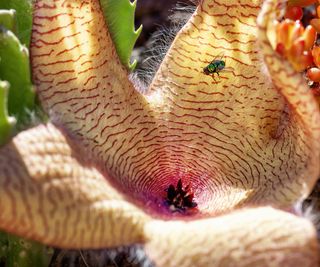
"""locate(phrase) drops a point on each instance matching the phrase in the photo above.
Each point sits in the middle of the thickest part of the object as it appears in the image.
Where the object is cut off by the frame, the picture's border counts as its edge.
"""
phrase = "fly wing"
(219, 56)
(227, 69)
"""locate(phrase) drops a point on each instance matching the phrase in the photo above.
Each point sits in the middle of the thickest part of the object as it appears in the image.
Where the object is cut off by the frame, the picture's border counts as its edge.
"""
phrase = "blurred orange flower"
(295, 43)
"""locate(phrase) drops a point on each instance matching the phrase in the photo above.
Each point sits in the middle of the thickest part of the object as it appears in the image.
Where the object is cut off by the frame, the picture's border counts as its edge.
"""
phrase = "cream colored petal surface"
(82, 84)
(235, 136)
(262, 237)
(304, 111)
(49, 193)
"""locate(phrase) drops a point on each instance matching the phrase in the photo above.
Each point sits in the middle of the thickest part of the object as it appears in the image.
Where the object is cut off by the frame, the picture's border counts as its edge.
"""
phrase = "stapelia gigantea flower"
(247, 142)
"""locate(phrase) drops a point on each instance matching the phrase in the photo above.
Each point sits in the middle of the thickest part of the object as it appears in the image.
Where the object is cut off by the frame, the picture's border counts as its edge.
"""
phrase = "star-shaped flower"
(111, 163)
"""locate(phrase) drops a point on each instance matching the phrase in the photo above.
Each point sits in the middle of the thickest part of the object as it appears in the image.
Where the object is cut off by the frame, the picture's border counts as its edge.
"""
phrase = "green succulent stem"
(15, 68)
(23, 25)
(18, 252)
(8, 19)
(119, 15)
(7, 123)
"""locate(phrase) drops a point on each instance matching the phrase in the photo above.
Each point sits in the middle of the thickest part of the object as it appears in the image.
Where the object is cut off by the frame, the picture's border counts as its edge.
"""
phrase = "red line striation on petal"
(246, 145)
(234, 137)
(50, 193)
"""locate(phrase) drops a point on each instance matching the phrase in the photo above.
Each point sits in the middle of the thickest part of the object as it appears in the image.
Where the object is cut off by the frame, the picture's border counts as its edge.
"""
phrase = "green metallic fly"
(215, 66)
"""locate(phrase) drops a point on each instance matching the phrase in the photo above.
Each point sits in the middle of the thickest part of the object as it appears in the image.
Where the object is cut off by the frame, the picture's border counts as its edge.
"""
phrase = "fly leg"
(218, 75)
(213, 78)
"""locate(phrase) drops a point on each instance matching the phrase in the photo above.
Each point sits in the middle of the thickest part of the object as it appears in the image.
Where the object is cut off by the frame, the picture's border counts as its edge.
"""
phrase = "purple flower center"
(179, 198)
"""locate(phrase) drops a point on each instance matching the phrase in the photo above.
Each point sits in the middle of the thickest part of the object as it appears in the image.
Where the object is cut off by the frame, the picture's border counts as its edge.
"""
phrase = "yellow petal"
(235, 138)
(49, 193)
(81, 82)
(261, 237)
(238, 129)
(304, 121)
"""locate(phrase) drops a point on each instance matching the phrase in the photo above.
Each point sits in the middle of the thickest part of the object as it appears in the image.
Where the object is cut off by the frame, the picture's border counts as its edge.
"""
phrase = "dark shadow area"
(153, 14)
(132, 256)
